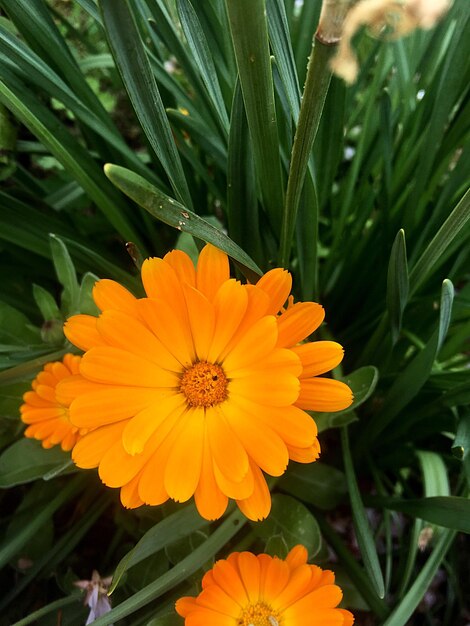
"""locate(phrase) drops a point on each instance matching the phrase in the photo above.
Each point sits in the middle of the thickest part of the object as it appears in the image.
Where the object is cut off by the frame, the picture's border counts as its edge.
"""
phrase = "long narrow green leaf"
(361, 524)
(36, 71)
(242, 204)
(133, 64)
(281, 44)
(175, 214)
(313, 100)
(13, 546)
(405, 609)
(447, 511)
(203, 58)
(250, 40)
(69, 152)
(397, 284)
(172, 528)
(408, 383)
(443, 238)
(180, 572)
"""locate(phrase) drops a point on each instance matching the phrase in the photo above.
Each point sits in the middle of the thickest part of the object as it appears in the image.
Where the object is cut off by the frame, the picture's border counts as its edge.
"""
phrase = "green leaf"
(86, 304)
(26, 460)
(397, 284)
(447, 511)
(405, 609)
(408, 383)
(362, 383)
(290, 519)
(171, 529)
(281, 43)
(248, 26)
(134, 66)
(440, 242)
(46, 303)
(319, 484)
(461, 445)
(217, 540)
(364, 535)
(15, 328)
(175, 214)
(12, 547)
(203, 58)
(66, 274)
(435, 475)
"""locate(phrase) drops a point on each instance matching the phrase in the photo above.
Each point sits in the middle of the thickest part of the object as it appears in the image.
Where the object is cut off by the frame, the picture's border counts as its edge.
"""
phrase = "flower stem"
(316, 87)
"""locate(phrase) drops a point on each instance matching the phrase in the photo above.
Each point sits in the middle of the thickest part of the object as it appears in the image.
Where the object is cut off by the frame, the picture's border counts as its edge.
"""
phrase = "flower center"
(204, 384)
(259, 614)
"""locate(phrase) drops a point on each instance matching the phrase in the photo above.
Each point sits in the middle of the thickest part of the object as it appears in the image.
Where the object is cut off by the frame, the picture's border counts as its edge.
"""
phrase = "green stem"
(354, 570)
(313, 100)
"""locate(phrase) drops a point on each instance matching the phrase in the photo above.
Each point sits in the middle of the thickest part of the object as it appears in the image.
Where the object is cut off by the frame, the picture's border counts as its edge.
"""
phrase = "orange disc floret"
(249, 590)
(46, 414)
(201, 387)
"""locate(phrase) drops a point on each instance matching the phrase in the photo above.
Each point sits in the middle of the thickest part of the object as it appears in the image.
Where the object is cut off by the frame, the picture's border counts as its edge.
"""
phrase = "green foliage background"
(197, 110)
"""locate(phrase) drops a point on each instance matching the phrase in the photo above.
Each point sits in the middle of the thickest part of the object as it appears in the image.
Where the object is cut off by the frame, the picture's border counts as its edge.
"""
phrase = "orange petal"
(117, 467)
(348, 618)
(298, 585)
(183, 468)
(164, 322)
(184, 605)
(81, 331)
(279, 360)
(236, 490)
(212, 270)
(72, 362)
(294, 426)
(319, 357)
(126, 332)
(298, 322)
(130, 493)
(227, 451)
(182, 265)
(297, 556)
(151, 486)
(201, 319)
(145, 423)
(262, 444)
(250, 570)
(38, 400)
(274, 577)
(324, 394)
(210, 501)
(207, 617)
(256, 344)
(31, 415)
(226, 576)
(92, 447)
(162, 283)
(214, 596)
(69, 388)
(110, 404)
(277, 284)
(230, 305)
(295, 616)
(304, 455)
(114, 366)
(257, 506)
(108, 294)
(268, 389)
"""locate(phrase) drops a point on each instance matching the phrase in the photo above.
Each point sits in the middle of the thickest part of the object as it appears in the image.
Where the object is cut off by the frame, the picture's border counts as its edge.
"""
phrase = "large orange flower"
(200, 387)
(249, 590)
(47, 416)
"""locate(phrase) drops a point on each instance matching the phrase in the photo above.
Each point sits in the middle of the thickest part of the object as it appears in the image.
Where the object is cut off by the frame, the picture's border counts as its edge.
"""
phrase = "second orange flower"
(201, 386)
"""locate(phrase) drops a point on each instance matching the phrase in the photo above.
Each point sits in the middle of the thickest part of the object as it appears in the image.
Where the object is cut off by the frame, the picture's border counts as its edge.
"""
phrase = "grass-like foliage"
(155, 124)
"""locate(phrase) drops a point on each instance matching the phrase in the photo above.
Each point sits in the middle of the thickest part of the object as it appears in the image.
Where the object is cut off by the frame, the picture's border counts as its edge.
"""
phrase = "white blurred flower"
(96, 595)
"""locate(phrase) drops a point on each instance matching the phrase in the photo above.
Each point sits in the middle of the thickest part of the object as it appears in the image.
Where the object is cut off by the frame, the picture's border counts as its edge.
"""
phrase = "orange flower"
(249, 590)
(200, 387)
(46, 414)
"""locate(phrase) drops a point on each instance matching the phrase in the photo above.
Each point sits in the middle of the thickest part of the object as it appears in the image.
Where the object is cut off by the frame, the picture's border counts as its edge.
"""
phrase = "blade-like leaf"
(133, 64)
(171, 212)
(397, 284)
(250, 40)
(364, 535)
